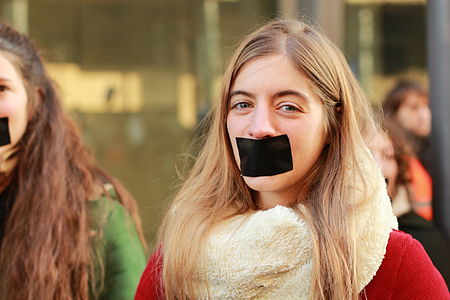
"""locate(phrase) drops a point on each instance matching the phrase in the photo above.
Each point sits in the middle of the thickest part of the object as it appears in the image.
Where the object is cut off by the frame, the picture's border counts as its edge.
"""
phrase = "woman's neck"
(268, 200)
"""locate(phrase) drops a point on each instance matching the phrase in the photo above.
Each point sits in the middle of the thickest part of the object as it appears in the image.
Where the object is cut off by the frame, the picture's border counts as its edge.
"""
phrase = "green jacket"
(118, 248)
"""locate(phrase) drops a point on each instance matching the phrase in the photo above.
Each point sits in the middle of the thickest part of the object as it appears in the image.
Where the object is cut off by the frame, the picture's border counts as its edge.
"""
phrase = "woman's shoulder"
(150, 286)
(119, 244)
(107, 213)
(102, 192)
(109, 219)
(406, 272)
(399, 241)
(104, 201)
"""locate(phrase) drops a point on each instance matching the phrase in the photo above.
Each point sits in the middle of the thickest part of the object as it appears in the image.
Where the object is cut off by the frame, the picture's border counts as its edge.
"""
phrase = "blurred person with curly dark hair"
(68, 230)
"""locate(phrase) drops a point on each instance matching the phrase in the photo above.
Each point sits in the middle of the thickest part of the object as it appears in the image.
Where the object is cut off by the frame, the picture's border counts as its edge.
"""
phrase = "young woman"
(284, 200)
(67, 229)
(390, 150)
(407, 105)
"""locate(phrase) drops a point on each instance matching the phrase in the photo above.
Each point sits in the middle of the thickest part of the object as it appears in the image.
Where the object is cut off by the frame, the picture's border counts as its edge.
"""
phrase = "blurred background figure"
(68, 230)
(407, 106)
(391, 151)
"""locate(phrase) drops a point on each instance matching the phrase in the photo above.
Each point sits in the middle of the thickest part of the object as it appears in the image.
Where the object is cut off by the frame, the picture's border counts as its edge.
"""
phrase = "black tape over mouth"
(5, 138)
(266, 157)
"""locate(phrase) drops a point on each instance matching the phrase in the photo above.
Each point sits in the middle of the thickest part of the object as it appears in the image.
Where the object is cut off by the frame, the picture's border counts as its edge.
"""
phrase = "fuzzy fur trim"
(268, 254)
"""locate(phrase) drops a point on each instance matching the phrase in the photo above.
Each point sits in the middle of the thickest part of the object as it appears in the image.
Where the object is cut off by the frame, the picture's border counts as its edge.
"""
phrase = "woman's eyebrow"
(241, 92)
(291, 93)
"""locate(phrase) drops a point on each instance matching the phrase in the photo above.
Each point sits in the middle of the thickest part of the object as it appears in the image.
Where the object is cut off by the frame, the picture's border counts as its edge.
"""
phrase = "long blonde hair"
(214, 190)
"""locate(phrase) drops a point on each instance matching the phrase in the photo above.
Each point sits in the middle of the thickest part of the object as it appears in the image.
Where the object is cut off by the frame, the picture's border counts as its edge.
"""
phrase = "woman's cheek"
(6, 109)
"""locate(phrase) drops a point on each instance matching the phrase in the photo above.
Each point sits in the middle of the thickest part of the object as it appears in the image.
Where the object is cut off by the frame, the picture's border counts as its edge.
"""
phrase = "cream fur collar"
(268, 255)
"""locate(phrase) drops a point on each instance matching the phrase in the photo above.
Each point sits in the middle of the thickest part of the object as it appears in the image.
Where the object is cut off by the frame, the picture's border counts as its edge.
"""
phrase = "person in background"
(284, 200)
(68, 230)
(407, 104)
(391, 150)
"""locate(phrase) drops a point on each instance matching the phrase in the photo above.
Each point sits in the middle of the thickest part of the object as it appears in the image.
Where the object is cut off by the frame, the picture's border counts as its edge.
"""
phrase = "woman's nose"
(262, 124)
(425, 113)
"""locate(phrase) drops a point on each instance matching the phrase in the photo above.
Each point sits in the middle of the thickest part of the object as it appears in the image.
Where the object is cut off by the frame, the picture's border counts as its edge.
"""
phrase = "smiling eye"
(3, 88)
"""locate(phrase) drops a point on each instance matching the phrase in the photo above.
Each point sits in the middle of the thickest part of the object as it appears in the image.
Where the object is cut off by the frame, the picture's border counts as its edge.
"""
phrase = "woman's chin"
(273, 183)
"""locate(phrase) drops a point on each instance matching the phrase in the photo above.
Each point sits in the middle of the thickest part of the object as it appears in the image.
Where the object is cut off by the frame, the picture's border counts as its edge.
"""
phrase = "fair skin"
(270, 97)
(383, 152)
(13, 104)
(414, 114)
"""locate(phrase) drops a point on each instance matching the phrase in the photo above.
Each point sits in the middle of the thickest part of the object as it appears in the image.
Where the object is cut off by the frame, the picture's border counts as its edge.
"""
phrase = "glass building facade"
(138, 75)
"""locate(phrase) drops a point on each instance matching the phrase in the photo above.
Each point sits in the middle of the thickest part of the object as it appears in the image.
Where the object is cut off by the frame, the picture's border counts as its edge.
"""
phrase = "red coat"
(406, 273)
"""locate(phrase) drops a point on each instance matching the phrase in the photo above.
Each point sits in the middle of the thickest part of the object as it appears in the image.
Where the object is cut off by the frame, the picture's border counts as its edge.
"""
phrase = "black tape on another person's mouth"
(4, 132)
(266, 157)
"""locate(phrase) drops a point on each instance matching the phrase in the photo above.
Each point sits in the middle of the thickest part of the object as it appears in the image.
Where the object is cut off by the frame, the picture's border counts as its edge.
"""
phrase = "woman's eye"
(289, 108)
(241, 105)
(3, 88)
